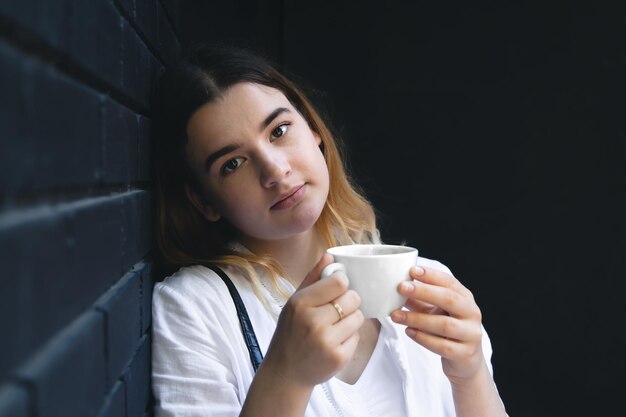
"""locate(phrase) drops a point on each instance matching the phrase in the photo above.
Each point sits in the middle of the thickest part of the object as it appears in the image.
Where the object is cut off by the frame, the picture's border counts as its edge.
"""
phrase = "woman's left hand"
(444, 318)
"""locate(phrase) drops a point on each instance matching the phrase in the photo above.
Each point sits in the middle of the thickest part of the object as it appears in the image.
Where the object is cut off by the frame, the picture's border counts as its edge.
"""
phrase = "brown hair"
(184, 237)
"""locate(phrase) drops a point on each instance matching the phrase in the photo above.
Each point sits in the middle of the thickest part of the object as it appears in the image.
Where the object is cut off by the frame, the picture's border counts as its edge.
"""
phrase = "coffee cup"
(374, 272)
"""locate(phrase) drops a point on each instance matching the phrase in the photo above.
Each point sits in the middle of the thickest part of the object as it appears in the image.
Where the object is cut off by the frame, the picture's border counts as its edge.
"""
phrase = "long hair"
(184, 237)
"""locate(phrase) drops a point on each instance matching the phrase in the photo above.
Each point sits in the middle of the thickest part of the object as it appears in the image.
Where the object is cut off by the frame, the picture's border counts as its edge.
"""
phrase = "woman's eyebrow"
(217, 154)
(272, 116)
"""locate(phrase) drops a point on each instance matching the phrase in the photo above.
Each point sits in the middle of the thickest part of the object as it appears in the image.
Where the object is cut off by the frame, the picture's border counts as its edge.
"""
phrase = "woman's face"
(258, 163)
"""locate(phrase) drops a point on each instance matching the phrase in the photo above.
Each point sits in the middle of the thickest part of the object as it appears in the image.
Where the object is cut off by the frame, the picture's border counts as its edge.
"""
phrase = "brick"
(67, 375)
(119, 135)
(137, 380)
(121, 308)
(63, 121)
(138, 66)
(35, 260)
(14, 401)
(53, 134)
(152, 67)
(10, 111)
(95, 226)
(137, 223)
(96, 39)
(167, 42)
(48, 20)
(79, 31)
(115, 403)
(145, 270)
(145, 19)
(127, 7)
(145, 149)
(172, 9)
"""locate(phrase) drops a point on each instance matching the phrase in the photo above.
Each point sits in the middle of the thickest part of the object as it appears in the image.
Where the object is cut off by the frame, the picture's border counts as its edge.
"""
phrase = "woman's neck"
(297, 254)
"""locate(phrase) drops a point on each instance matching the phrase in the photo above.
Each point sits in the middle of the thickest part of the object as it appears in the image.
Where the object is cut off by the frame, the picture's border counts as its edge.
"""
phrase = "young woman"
(250, 179)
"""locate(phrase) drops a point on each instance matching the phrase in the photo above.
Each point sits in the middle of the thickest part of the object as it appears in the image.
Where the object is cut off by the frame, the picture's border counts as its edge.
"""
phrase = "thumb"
(314, 275)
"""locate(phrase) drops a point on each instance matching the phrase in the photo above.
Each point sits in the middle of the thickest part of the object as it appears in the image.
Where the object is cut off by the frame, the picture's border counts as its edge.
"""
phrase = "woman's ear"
(200, 203)
(318, 138)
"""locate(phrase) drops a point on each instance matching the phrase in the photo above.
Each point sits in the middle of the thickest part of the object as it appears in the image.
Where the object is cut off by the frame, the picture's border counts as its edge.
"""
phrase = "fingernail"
(398, 316)
(410, 332)
(418, 270)
(343, 277)
(407, 286)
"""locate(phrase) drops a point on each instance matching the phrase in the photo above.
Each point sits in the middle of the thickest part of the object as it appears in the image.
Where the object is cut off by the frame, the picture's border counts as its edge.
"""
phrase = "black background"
(492, 137)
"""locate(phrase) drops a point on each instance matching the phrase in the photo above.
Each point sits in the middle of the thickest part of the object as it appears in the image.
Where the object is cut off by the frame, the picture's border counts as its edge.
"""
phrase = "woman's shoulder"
(191, 282)
(193, 292)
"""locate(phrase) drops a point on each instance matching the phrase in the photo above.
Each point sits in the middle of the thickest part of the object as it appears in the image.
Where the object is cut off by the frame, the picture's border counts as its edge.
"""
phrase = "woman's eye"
(279, 131)
(231, 165)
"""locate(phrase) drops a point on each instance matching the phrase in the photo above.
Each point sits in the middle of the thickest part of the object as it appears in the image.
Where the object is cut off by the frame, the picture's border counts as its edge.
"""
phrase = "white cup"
(374, 272)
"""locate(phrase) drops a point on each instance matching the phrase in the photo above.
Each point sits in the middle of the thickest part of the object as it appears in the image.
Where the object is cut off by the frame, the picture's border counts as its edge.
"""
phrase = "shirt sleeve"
(487, 350)
(192, 372)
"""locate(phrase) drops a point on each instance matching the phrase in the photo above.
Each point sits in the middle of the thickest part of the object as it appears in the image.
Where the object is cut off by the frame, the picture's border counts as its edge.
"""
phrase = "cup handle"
(333, 268)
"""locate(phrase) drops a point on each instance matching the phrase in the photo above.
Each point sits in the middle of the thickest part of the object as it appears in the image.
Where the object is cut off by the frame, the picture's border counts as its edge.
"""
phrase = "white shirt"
(201, 366)
(366, 395)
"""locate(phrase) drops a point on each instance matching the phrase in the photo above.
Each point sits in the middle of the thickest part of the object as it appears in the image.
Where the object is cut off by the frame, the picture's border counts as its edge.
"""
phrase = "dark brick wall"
(75, 203)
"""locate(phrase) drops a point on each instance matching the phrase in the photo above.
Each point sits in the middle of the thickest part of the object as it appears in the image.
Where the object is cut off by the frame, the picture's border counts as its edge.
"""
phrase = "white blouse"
(201, 366)
(378, 391)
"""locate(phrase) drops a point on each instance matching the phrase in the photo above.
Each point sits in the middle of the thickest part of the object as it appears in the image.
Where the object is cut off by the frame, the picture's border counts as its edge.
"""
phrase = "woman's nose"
(274, 167)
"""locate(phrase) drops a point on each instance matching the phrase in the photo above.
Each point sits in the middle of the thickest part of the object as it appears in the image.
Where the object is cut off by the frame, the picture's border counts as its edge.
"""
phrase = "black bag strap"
(244, 320)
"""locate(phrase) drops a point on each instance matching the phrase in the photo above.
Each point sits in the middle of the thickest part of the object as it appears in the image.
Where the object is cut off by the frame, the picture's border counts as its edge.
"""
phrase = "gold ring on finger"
(339, 310)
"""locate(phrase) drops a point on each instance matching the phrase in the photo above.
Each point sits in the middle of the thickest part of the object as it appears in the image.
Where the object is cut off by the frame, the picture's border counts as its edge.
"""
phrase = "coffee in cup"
(374, 271)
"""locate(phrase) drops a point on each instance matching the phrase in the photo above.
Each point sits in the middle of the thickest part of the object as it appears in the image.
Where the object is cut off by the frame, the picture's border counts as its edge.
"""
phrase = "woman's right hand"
(312, 342)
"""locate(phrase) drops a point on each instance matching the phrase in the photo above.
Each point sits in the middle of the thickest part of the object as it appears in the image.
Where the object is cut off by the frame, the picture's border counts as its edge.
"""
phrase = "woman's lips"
(292, 198)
